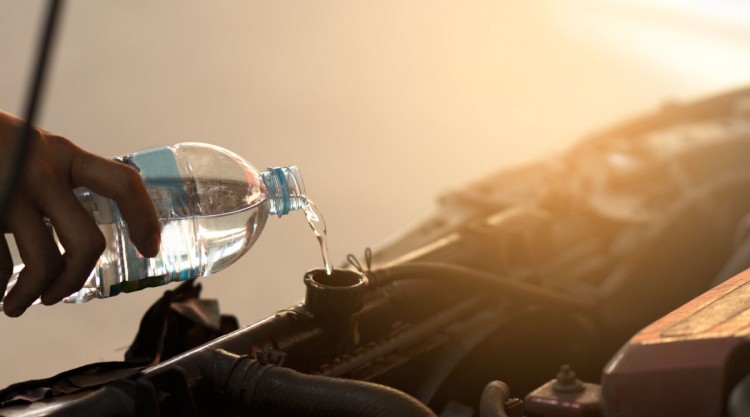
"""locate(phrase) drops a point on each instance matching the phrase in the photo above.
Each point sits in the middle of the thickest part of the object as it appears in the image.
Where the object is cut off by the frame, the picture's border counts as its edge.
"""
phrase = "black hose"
(288, 392)
(492, 402)
(270, 390)
(739, 399)
(462, 275)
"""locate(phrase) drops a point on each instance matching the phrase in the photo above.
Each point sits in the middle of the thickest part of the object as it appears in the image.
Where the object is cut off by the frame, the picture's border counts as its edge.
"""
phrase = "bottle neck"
(286, 191)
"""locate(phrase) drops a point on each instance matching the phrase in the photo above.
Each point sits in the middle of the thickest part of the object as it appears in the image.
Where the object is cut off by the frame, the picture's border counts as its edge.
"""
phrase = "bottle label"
(161, 173)
(136, 285)
(154, 164)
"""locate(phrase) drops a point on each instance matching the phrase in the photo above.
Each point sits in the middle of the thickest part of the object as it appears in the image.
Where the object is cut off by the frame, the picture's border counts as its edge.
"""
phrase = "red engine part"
(686, 363)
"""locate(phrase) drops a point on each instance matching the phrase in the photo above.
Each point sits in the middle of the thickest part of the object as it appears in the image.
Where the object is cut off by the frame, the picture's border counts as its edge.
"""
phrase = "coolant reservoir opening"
(339, 279)
(339, 294)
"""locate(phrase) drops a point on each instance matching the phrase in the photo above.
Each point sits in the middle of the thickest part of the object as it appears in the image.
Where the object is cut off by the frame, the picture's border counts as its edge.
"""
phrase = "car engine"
(606, 281)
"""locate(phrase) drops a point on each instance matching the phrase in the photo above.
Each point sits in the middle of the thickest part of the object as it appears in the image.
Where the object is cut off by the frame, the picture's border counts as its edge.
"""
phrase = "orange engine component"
(686, 363)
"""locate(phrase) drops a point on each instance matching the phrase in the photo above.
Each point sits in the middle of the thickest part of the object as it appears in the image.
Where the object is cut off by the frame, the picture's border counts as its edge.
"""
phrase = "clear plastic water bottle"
(212, 206)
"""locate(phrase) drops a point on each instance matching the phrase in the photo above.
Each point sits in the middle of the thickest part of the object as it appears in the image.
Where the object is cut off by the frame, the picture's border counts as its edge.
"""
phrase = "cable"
(461, 275)
(33, 97)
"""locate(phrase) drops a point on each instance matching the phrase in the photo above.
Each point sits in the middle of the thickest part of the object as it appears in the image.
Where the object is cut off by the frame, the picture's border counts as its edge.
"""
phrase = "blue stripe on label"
(156, 164)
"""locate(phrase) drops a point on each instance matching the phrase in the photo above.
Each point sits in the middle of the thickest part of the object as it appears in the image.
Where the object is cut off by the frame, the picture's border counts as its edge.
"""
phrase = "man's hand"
(53, 168)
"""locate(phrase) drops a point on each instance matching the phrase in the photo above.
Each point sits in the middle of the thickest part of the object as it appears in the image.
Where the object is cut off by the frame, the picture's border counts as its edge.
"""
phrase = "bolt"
(566, 381)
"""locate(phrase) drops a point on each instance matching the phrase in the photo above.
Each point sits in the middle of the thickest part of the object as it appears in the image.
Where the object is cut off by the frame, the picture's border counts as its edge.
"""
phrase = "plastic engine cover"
(686, 363)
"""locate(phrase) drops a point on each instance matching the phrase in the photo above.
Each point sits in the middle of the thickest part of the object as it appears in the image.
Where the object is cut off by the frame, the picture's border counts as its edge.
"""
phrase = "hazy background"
(383, 105)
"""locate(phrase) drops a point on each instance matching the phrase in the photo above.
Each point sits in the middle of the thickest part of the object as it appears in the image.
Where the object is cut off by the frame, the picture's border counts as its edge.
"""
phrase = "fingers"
(43, 262)
(79, 235)
(6, 265)
(55, 166)
(121, 183)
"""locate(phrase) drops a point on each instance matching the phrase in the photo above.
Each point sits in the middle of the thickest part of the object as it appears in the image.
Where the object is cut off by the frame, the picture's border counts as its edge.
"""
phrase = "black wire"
(21, 148)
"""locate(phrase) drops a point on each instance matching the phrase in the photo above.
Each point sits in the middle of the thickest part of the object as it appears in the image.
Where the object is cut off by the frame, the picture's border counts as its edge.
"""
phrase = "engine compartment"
(551, 264)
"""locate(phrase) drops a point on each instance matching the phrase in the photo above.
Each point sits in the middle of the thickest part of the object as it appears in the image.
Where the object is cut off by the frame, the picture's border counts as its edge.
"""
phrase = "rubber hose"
(254, 388)
(282, 391)
(739, 399)
(462, 275)
(492, 402)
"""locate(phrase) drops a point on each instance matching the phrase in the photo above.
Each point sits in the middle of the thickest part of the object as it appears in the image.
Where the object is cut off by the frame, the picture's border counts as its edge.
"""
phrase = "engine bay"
(604, 282)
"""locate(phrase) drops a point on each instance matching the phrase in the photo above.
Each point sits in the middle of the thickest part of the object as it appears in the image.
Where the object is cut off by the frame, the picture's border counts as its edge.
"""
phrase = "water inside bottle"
(190, 247)
(318, 225)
